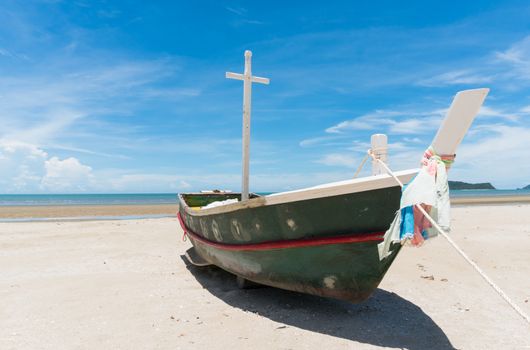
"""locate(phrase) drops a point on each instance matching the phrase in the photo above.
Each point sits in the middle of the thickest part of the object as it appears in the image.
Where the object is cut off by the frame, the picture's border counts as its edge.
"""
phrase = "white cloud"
(490, 153)
(458, 77)
(338, 159)
(415, 126)
(51, 123)
(240, 11)
(368, 121)
(518, 55)
(4, 52)
(494, 149)
(144, 182)
(355, 124)
(487, 111)
(413, 140)
(13, 147)
(67, 175)
(509, 69)
(86, 151)
(73, 107)
(500, 157)
(397, 122)
(21, 167)
(26, 168)
(525, 110)
(328, 140)
(44, 107)
(182, 185)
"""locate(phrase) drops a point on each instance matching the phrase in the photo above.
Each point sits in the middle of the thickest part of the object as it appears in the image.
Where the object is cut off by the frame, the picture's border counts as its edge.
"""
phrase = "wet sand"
(123, 285)
(491, 200)
(78, 211)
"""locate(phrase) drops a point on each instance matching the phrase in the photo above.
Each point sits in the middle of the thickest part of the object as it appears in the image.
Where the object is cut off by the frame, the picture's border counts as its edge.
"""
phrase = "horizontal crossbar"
(238, 76)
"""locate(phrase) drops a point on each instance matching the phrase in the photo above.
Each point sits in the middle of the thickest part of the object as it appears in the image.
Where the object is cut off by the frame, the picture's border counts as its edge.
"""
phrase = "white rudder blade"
(463, 110)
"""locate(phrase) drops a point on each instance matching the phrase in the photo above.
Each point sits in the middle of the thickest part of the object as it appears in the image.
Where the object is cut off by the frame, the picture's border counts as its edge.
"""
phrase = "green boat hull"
(324, 246)
(343, 271)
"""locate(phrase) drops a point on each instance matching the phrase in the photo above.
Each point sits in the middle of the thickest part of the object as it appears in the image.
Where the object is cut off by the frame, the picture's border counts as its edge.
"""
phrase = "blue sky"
(130, 96)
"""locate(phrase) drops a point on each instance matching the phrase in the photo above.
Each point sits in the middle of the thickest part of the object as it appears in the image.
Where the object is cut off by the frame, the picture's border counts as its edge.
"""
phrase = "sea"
(87, 199)
(488, 193)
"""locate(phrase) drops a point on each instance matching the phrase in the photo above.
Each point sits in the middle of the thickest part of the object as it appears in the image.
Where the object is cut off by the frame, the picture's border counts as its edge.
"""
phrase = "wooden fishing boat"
(321, 240)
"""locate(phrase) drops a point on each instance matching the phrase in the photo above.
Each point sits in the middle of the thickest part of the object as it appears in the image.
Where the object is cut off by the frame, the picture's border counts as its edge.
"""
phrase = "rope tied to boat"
(431, 157)
(361, 165)
(184, 231)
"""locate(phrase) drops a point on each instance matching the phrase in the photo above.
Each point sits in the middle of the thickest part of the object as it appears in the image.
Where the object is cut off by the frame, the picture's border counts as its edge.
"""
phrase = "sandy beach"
(123, 285)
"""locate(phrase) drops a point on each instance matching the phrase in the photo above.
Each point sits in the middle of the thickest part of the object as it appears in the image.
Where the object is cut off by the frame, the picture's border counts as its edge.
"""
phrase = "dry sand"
(123, 285)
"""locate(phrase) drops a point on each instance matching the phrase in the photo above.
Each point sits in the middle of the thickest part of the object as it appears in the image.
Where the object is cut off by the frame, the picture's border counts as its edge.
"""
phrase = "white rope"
(360, 166)
(457, 248)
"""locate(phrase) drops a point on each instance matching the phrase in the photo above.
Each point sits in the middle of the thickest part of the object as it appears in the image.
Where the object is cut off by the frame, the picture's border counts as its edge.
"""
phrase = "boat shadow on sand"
(385, 319)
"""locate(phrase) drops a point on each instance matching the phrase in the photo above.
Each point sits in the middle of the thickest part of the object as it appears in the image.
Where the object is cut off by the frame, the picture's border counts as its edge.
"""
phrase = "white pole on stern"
(248, 79)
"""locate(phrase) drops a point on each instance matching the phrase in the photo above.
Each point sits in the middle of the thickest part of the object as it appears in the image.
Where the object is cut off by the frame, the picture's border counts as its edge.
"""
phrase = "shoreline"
(87, 212)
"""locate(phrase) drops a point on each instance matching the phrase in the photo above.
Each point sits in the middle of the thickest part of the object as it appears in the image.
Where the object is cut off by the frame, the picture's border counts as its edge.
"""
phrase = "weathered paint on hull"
(349, 271)
(362, 212)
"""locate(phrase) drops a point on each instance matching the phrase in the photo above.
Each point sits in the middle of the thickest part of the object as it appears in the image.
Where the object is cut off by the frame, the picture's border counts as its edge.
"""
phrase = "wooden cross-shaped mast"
(248, 79)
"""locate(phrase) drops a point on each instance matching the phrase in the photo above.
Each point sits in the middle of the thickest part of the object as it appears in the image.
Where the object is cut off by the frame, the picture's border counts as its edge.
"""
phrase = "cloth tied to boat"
(430, 189)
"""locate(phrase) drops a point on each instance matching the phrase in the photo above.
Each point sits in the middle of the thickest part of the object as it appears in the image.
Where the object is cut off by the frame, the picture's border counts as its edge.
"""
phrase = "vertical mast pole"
(248, 79)
(247, 95)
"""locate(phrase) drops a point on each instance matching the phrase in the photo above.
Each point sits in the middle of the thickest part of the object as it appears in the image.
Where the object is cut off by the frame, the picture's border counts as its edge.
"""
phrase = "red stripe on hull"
(288, 243)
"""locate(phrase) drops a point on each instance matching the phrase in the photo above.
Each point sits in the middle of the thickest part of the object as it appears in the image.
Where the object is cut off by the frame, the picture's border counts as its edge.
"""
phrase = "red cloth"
(420, 224)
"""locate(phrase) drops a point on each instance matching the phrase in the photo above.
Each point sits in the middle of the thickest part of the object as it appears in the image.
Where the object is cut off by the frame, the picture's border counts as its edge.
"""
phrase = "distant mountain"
(526, 188)
(459, 185)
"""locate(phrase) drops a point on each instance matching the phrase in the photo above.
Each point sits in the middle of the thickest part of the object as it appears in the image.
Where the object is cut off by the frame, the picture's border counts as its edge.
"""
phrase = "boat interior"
(198, 200)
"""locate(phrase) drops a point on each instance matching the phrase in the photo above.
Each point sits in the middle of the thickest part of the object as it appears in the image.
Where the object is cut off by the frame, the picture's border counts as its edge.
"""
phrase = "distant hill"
(526, 188)
(459, 185)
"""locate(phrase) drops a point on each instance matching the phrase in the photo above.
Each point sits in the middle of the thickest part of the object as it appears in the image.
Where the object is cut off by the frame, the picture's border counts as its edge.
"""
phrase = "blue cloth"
(407, 223)
(406, 229)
